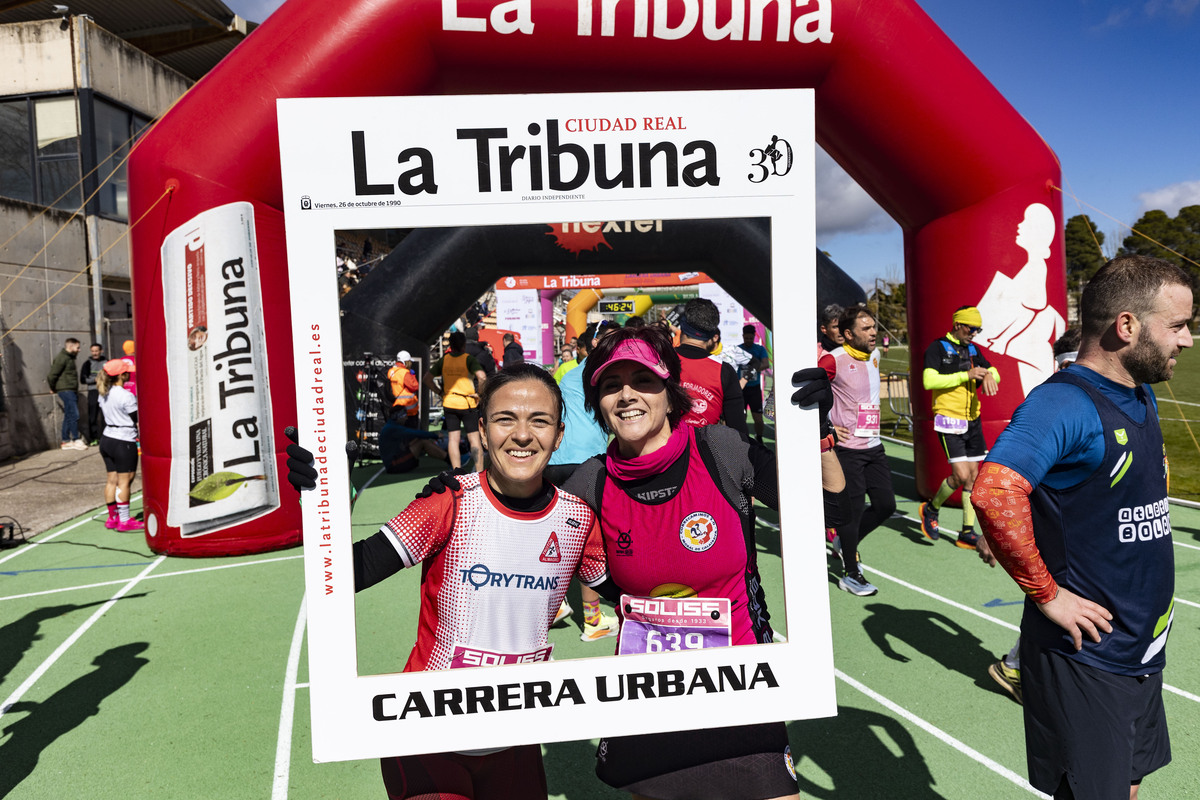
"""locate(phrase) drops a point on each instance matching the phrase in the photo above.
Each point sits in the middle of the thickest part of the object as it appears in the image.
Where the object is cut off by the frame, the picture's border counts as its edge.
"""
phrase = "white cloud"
(1171, 198)
(1183, 8)
(842, 206)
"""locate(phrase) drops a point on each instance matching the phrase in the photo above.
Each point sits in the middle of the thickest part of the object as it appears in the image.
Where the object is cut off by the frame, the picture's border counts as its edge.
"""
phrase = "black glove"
(301, 472)
(814, 390)
(443, 481)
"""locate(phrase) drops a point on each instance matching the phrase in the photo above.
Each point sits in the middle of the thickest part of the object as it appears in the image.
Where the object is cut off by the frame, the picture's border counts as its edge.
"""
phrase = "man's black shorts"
(465, 418)
(753, 396)
(1090, 732)
(967, 446)
(119, 455)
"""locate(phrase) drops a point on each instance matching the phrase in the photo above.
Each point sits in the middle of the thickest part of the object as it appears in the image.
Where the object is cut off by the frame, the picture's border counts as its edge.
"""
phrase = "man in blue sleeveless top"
(1073, 500)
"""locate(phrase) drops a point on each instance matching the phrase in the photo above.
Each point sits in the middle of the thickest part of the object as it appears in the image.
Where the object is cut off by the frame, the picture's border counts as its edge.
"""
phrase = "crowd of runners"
(1061, 507)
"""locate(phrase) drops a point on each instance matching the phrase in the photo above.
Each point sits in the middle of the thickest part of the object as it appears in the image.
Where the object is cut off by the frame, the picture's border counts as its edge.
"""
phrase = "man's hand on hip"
(1077, 616)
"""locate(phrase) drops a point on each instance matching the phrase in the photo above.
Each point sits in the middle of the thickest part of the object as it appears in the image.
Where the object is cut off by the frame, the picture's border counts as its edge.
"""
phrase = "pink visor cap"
(637, 351)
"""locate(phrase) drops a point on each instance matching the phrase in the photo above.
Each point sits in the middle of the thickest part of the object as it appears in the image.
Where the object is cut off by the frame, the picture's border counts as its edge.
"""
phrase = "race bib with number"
(658, 624)
(867, 425)
(944, 424)
(474, 657)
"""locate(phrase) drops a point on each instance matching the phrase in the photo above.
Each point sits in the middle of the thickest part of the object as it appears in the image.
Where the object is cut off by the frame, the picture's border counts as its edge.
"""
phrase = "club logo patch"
(1122, 437)
(787, 760)
(551, 554)
(698, 531)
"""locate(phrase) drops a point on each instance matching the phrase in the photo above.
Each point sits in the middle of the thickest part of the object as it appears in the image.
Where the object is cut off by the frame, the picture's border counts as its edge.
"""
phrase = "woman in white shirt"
(118, 445)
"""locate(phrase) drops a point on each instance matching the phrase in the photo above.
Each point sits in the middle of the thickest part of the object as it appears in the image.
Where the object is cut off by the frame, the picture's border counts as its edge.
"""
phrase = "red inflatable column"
(1003, 255)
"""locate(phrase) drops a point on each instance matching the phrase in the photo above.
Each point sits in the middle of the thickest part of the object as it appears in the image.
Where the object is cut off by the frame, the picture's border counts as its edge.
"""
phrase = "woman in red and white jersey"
(496, 556)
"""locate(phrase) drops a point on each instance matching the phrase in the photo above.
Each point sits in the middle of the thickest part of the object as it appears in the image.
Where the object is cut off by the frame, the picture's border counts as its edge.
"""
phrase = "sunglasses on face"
(972, 329)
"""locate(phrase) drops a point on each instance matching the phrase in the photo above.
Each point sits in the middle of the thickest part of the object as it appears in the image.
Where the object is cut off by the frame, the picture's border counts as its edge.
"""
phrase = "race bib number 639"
(661, 624)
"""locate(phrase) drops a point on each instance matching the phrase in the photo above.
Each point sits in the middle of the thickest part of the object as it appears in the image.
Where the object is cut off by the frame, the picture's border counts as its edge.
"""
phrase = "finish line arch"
(898, 106)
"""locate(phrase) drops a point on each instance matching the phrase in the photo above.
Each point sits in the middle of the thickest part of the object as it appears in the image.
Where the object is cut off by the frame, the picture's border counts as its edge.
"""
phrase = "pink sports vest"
(691, 545)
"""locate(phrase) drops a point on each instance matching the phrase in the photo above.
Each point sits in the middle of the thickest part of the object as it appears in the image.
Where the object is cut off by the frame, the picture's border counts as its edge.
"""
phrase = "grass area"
(1178, 411)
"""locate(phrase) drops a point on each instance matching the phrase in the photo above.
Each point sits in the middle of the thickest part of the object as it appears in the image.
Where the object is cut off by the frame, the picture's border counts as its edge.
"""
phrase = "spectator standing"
(1073, 502)
(118, 445)
(64, 382)
(956, 370)
(402, 388)
(87, 376)
(131, 360)
(513, 352)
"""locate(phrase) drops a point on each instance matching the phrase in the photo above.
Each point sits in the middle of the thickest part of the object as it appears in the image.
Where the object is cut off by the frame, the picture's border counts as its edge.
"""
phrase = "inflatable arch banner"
(906, 114)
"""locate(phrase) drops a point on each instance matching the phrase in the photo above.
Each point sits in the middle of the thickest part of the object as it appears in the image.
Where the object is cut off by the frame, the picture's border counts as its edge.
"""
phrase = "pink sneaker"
(131, 524)
(112, 522)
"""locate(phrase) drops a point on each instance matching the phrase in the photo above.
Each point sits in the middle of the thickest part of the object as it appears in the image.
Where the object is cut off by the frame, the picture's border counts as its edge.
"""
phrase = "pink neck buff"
(628, 469)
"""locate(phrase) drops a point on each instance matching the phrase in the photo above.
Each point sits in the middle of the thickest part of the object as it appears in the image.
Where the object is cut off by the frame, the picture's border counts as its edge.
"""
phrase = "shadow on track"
(63, 711)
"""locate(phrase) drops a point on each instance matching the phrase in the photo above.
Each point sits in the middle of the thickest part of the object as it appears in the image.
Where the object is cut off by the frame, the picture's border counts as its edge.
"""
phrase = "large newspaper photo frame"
(438, 161)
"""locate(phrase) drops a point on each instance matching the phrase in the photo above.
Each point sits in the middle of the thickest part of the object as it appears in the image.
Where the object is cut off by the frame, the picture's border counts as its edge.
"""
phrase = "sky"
(1110, 85)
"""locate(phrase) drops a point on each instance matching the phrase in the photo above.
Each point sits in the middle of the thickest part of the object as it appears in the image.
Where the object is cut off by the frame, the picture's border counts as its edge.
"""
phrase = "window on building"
(116, 129)
(56, 126)
(16, 144)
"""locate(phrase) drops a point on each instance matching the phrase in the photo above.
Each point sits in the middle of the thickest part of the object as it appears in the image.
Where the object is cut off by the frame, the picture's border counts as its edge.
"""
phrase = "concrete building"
(75, 93)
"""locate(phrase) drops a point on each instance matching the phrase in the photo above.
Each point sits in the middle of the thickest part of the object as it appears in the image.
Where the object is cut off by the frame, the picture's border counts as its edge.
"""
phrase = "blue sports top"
(1100, 513)
(582, 437)
(756, 351)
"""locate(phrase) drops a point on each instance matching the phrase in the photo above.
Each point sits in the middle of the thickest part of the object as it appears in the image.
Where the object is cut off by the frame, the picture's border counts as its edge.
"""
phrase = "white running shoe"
(609, 626)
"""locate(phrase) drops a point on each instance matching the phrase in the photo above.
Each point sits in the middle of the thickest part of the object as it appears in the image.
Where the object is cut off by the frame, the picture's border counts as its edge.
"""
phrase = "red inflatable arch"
(898, 106)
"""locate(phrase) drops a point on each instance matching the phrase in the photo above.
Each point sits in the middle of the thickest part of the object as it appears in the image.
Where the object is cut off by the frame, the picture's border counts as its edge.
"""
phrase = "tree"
(1176, 239)
(888, 304)
(1084, 250)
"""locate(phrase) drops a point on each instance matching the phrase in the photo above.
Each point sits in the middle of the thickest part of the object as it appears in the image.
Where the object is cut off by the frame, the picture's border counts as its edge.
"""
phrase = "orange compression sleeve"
(1001, 498)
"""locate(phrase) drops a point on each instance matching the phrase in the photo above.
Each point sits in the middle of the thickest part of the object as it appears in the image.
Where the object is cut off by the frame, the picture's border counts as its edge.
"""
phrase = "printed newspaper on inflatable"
(222, 457)
(570, 160)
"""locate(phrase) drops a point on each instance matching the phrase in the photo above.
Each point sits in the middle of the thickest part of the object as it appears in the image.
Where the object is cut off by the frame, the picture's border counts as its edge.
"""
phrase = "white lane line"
(44, 539)
(941, 599)
(74, 637)
(940, 734)
(1009, 625)
(1187, 602)
(149, 577)
(287, 711)
(371, 479)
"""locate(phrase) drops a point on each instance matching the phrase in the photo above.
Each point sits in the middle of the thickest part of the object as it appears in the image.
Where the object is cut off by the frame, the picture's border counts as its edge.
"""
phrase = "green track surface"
(176, 689)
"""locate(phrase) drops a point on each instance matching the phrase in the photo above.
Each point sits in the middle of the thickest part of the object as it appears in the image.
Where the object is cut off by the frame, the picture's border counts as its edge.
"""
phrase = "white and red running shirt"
(492, 579)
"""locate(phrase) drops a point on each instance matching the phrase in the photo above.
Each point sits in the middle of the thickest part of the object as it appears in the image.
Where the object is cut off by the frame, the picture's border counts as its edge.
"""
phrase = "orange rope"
(1123, 225)
(84, 271)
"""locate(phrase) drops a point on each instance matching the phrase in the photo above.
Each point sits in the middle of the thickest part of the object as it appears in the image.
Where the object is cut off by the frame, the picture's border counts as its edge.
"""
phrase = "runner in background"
(956, 370)
(752, 389)
(583, 438)
(828, 336)
(853, 370)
